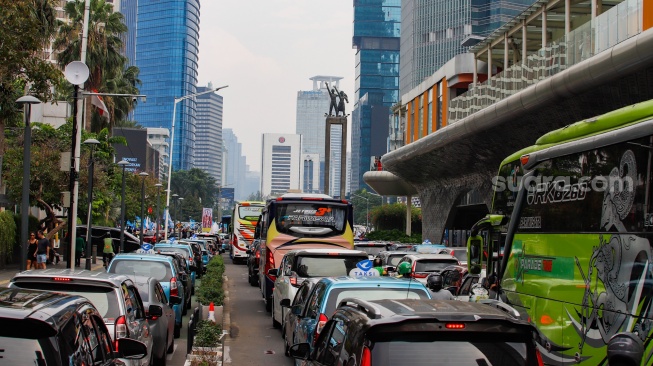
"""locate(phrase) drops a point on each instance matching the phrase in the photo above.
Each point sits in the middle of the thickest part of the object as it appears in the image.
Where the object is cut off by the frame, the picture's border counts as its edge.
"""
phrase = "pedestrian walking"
(80, 246)
(107, 252)
(42, 250)
(31, 251)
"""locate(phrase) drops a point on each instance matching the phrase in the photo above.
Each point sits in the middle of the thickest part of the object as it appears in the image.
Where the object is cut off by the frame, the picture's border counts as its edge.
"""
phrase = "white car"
(298, 265)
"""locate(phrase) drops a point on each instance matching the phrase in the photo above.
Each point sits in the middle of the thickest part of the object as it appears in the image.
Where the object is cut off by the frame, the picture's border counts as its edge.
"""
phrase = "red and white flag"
(96, 100)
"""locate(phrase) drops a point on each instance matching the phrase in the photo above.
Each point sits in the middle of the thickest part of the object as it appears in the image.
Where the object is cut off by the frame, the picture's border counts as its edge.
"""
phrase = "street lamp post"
(27, 102)
(89, 225)
(181, 209)
(158, 203)
(174, 219)
(172, 141)
(367, 211)
(123, 164)
(143, 175)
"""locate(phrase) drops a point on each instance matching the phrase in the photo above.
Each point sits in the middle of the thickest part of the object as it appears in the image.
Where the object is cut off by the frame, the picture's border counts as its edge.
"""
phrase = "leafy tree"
(389, 217)
(7, 236)
(26, 28)
(255, 196)
(364, 202)
(103, 58)
(197, 187)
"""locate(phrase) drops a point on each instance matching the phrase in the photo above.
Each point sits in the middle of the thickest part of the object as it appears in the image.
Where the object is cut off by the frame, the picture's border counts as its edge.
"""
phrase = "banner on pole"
(207, 219)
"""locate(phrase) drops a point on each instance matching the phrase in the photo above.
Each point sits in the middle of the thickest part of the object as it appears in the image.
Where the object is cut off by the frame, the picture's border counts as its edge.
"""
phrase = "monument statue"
(333, 94)
(341, 104)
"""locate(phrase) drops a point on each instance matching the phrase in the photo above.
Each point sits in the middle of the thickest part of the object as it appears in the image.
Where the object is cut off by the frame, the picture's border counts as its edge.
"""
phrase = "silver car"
(162, 327)
(115, 296)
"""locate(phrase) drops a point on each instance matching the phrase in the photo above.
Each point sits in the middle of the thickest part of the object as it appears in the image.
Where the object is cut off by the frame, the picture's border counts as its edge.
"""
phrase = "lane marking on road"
(169, 356)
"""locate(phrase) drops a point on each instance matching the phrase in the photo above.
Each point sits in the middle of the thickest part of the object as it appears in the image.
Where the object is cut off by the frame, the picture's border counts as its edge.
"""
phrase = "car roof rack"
(365, 306)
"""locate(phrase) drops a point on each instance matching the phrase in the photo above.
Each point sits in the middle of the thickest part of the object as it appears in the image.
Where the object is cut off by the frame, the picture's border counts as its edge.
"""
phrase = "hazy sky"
(266, 51)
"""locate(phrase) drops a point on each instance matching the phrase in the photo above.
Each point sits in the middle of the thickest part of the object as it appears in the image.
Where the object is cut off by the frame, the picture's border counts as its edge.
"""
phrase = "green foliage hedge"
(394, 236)
(393, 217)
(7, 235)
(210, 288)
(208, 334)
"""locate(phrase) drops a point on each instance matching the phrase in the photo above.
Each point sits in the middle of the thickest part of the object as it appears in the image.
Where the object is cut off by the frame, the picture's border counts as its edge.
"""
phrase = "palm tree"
(103, 56)
(124, 82)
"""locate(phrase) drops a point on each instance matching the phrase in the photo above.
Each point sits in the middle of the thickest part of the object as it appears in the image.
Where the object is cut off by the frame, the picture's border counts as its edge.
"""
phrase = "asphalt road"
(251, 340)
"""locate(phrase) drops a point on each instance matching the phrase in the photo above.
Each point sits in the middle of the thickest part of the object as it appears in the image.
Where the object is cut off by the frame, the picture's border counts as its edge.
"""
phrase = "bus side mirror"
(475, 254)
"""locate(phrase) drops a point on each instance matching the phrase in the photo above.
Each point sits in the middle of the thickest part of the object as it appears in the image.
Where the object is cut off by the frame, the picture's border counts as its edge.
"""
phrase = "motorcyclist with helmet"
(434, 283)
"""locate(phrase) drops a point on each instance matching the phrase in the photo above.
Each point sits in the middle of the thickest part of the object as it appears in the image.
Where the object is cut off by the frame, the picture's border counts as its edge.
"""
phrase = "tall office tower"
(234, 163)
(166, 50)
(252, 182)
(312, 105)
(311, 173)
(377, 26)
(434, 31)
(208, 140)
(129, 9)
(280, 163)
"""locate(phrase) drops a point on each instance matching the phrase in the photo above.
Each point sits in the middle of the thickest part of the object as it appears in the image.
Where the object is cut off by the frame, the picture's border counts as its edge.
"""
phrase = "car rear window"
(181, 250)
(103, 298)
(325, 265)
(338, 294)
(453, 353)
(433, 265)
(370, 249)
(160, 270)
(393, 260)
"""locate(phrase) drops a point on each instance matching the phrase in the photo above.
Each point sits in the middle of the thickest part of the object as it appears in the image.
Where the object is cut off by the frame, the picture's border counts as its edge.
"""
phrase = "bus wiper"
(292, 243)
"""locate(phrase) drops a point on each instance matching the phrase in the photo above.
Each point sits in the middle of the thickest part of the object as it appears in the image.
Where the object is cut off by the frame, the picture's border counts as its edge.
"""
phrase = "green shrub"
(394, 236)
(210, 288)
(7, 235)
(207, 334)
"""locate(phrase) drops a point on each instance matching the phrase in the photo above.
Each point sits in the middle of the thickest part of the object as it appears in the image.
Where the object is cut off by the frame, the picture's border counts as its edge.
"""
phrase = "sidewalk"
(10, 270)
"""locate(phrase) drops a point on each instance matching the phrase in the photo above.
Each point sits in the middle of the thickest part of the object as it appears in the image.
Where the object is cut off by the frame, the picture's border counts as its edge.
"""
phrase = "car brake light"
(258, 255)
(321, 322)
(174, 289)
(61, 279)
(293, 280)
(419, 275)
(455, 325)
(366, 358)
(269, 264)
(121, 329)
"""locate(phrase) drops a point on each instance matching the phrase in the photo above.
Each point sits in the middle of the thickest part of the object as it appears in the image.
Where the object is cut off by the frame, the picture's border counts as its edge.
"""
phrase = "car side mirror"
(273, 272)
(131, 349)
(296, 309)
(300, 351)
(248, 251)
(175, 300)
(285, 303)
(154, 310)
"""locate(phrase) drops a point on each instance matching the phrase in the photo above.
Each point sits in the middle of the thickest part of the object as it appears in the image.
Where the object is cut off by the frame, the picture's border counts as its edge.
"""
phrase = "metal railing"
(605, 31)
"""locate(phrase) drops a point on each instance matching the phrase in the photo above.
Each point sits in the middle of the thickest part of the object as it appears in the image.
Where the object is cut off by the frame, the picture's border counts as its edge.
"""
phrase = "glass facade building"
(166, 52)
(208, 143)
(434, 31)
(377, 28)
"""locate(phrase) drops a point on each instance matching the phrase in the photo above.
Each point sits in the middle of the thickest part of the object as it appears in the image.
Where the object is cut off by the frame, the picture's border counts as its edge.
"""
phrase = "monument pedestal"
(330, 121)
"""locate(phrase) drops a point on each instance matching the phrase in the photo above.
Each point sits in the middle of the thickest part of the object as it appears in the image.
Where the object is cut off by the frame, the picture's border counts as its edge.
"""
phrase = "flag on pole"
(97, 101)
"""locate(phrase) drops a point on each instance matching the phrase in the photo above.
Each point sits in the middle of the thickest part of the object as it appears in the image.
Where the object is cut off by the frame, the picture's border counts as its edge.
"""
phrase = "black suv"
(422, 332)
(49, 328)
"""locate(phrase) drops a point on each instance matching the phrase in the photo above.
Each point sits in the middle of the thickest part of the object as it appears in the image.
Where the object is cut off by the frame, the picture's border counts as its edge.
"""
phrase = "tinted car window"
(431, 353)
(159, 270)
(431, 265)
(393, 260)
(338, 294)
(325, 266)
(370, 249)
(15, 351)
(103, 298)
(181, 250)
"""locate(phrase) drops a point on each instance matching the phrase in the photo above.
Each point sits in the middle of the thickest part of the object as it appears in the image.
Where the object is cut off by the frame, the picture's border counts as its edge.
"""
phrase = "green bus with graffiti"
(571, 231)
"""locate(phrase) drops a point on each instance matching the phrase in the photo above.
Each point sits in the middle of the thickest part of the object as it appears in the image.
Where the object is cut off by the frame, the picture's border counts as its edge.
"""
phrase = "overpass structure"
(559, 62)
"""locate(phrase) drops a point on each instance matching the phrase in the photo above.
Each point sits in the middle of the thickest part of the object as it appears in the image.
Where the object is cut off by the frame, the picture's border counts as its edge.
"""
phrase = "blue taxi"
(184, 249)
(328, 292)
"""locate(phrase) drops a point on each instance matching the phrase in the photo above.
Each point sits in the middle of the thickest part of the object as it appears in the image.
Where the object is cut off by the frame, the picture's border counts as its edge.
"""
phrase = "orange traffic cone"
(211, 312)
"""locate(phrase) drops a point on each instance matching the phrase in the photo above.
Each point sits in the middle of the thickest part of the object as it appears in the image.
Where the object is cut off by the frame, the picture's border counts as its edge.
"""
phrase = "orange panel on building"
(416, 127)
(647, 14)
(445, 104)
(409, 123)
(425, 114)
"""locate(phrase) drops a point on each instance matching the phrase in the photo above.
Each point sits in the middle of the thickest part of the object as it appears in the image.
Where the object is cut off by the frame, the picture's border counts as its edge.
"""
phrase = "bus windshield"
(249, 213)
(311, 218)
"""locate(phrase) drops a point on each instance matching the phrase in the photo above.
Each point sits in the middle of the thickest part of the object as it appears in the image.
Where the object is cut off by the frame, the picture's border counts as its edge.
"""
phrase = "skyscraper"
(208, 142)
(235, 164)
(166, 49)
(312, 105)
(280, 163)
(377, 26)
(434, 31)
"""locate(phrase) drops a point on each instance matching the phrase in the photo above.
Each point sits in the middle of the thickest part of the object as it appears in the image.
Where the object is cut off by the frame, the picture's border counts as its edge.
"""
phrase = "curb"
(226, 315)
